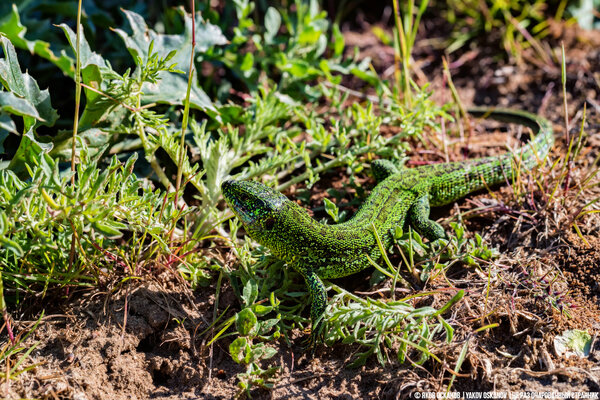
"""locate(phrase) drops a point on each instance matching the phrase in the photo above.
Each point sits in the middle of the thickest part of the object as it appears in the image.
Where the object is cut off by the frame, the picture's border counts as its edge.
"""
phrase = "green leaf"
(24, 87)
(583, 11)
(261, 310)
(247, 62)
(266, 326)
(331, 209)
(575, 342)
(240, 350)
(29, 152)
(86, 55)
(245, 322)
(207, 34)
(7, 124)
(10, 70)
(15, 31)
(338, 41)
(3, 223)
(449, 330)
(11, 245)
(250, 292)
(110, 229)
(96, 73)
(172, 87)
(262, 352)
(269, 352)
(94, 139)
(272, 24)
(12, 104)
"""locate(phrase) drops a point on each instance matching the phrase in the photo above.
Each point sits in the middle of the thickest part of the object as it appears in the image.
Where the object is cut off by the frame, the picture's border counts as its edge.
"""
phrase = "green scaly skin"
(402, 197)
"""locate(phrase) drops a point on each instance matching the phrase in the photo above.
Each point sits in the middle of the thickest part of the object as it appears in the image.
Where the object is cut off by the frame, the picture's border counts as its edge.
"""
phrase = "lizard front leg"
(418, 218)
(318, 296)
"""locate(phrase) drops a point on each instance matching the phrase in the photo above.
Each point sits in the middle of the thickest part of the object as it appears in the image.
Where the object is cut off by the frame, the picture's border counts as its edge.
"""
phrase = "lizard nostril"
(243, 197)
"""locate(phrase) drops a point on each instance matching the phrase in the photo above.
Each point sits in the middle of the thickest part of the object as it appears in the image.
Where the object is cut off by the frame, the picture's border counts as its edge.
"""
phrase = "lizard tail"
(534, 152)
(461, 178)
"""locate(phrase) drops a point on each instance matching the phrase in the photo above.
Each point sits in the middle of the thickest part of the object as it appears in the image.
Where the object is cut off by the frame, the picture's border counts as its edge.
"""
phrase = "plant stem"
(75, 119)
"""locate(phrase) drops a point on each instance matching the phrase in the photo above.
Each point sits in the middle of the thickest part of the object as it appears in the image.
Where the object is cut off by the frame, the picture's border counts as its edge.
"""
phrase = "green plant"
(9, 350)
(405, 33)
(583, 12)
(378, 325)
(244, 349)
(521, 24)
(14, 345)
(289, 49)
(40, 211)
(46, 211)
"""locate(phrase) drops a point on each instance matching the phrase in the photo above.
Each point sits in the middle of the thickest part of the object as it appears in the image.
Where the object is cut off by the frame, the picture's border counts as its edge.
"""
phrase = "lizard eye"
(269, 223)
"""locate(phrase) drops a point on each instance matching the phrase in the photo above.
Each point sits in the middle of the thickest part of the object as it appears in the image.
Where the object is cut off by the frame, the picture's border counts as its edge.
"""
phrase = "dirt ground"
(145, 342)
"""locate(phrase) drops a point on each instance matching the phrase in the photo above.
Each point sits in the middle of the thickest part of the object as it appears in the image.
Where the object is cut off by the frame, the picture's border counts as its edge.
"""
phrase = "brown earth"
(148, 341)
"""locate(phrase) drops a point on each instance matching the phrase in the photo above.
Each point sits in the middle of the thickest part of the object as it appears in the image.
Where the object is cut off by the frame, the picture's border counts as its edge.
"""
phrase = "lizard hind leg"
(418, 218)
(382, 169)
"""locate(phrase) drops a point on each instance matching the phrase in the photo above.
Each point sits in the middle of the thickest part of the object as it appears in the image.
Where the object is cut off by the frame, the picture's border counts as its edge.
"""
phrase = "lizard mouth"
(239, 201)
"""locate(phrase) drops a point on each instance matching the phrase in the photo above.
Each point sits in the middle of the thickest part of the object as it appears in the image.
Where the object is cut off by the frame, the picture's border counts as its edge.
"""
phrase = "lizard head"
(258, 207)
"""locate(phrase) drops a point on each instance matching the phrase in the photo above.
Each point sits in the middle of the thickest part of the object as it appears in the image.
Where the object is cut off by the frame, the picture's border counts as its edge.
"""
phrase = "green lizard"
(319, 251)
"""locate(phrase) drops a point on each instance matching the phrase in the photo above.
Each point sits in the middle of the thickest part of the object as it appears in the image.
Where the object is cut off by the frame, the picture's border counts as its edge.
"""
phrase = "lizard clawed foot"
(309, 345)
